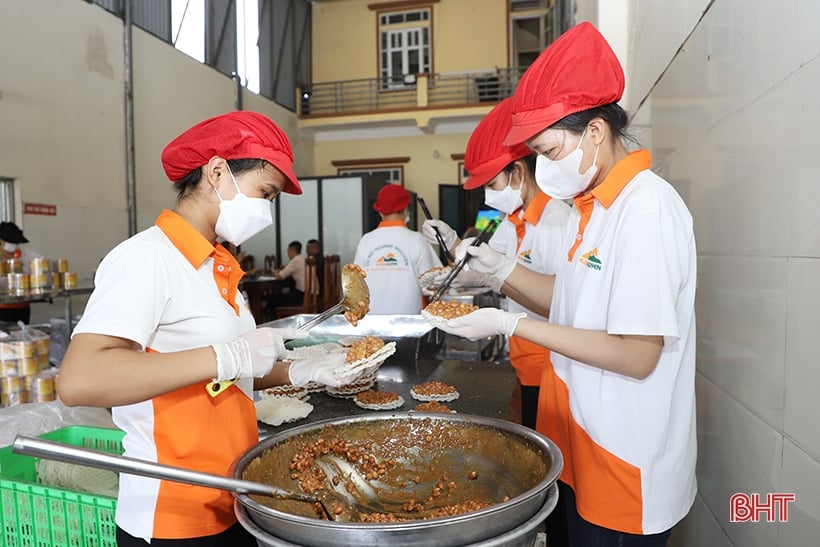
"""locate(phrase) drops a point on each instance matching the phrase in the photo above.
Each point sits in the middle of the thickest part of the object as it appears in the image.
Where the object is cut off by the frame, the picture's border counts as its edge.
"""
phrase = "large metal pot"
(510, 460)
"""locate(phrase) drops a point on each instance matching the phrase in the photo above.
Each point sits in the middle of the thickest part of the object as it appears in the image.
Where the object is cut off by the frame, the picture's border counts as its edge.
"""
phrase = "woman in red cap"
(393, 256)
(531, 233)
(619, 396)
(166, 318)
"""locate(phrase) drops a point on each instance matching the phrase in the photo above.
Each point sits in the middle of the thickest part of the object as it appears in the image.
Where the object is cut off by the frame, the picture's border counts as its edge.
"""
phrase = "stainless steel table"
(484, 387)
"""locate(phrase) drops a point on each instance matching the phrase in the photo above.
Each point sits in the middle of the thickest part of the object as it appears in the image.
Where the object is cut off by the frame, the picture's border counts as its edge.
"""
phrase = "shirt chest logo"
(591, 260)
(387, 260)
(525, 256)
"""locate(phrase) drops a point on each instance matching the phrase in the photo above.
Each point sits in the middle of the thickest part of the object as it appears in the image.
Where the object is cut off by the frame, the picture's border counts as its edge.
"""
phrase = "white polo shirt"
(629, 445)
(535, 237)
(393, 257)
(168, 289)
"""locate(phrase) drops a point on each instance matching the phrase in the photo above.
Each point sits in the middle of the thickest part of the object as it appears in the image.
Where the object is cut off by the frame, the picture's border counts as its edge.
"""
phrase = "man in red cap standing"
(393, 256)
(619, 395)
(166, 318)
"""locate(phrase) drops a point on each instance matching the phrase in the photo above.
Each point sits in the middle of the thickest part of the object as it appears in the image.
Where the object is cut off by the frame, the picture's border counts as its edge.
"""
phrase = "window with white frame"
(7, 199)
(393, 175)
(404, 47)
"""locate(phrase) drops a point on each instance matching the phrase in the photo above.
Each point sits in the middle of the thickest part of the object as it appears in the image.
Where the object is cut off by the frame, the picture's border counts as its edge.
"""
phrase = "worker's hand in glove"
(486, 260)
(253, 353)
(317, 369)
(448, 235)
(465, 278)
(482, 323)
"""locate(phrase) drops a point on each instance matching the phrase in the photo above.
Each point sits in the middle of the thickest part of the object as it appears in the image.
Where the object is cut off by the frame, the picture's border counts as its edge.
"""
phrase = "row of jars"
(35, 265)
(25, 372)
(23, 283)
(41, 275)
(39, 387)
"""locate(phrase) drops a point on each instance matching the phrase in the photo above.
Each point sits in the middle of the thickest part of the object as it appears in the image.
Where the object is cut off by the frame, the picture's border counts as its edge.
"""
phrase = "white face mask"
(507, 200)
(10, 247)
(562, 179)
(242, 217)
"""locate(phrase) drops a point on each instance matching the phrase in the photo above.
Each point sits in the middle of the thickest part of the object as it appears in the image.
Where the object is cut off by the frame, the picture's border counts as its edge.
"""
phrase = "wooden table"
(262, 293)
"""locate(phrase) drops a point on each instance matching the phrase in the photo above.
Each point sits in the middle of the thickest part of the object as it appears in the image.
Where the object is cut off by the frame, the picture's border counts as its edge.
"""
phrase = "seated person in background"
(314, 249)
(295, 268)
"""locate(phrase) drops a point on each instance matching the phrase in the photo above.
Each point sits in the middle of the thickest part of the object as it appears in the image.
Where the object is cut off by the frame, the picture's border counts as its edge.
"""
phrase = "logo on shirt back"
(590, 260)
(525, 256)
(387, 260)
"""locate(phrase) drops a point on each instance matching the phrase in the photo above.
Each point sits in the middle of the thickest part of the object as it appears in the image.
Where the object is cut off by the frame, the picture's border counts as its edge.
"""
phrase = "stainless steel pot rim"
(521, 499)
(265, 536)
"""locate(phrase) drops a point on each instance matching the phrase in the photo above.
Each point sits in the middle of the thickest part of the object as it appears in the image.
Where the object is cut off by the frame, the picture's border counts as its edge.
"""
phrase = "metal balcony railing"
(411, 92)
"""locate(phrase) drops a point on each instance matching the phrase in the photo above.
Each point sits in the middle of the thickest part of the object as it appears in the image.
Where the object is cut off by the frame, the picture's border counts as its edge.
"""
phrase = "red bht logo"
(749, 507)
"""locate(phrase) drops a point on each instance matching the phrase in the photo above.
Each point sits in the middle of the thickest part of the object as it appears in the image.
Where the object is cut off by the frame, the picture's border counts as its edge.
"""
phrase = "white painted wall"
(62, 125)
(726, 94)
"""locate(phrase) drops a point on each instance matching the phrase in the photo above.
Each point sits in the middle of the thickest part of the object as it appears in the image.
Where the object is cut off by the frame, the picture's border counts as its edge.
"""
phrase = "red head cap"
(235, 135)
(578, 71)
(486, 153)
(392, 198)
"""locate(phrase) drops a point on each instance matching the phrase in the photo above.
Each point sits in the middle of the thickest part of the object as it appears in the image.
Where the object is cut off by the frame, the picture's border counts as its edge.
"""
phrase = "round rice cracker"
(277, 410)
(366, 366)
(302, 393)
(433, 406)
(435, 320)
(390, 405)
(420, 395)
(349, 390)
(427, 279)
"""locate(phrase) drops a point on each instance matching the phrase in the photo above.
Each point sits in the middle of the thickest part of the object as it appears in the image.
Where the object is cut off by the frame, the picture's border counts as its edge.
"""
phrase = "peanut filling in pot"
(400, 470)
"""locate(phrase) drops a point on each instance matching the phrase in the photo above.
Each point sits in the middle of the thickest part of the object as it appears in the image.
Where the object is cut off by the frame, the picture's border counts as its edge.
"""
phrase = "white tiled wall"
(728, 94)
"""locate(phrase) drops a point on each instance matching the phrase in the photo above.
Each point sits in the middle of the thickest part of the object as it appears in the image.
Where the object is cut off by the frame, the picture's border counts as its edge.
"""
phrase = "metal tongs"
(483, 237)
(447, 254)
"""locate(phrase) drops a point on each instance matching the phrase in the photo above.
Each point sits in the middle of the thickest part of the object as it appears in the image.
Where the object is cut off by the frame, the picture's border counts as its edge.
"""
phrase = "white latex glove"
(318, 369)
(482, 323)
(488, 261)
(448, 235)
(466, 278)
(253, 353)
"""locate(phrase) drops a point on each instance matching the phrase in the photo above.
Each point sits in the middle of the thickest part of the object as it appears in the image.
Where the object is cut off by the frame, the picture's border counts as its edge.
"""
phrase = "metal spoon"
(355, 301)
(33, 446)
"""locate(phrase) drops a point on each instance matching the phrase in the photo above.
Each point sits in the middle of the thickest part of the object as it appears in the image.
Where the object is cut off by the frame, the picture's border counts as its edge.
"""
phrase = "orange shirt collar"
(536, 208)
(623, 172)
(193, 245)
(391, 223)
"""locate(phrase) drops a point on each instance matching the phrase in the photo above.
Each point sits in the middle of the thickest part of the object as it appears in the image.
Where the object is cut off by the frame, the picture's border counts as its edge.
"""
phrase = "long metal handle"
(52, 450)
(322, 316)
(447, 254)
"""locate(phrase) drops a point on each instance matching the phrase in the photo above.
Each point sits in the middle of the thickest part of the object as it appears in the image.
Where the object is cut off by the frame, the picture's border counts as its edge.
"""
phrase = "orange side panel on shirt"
(206, 434)
(607, 489)
(528, 359)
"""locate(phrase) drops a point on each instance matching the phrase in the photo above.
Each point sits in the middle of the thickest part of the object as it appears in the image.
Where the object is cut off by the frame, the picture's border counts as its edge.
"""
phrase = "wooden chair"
(270, 263)
(332, 290)
(310, 300)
